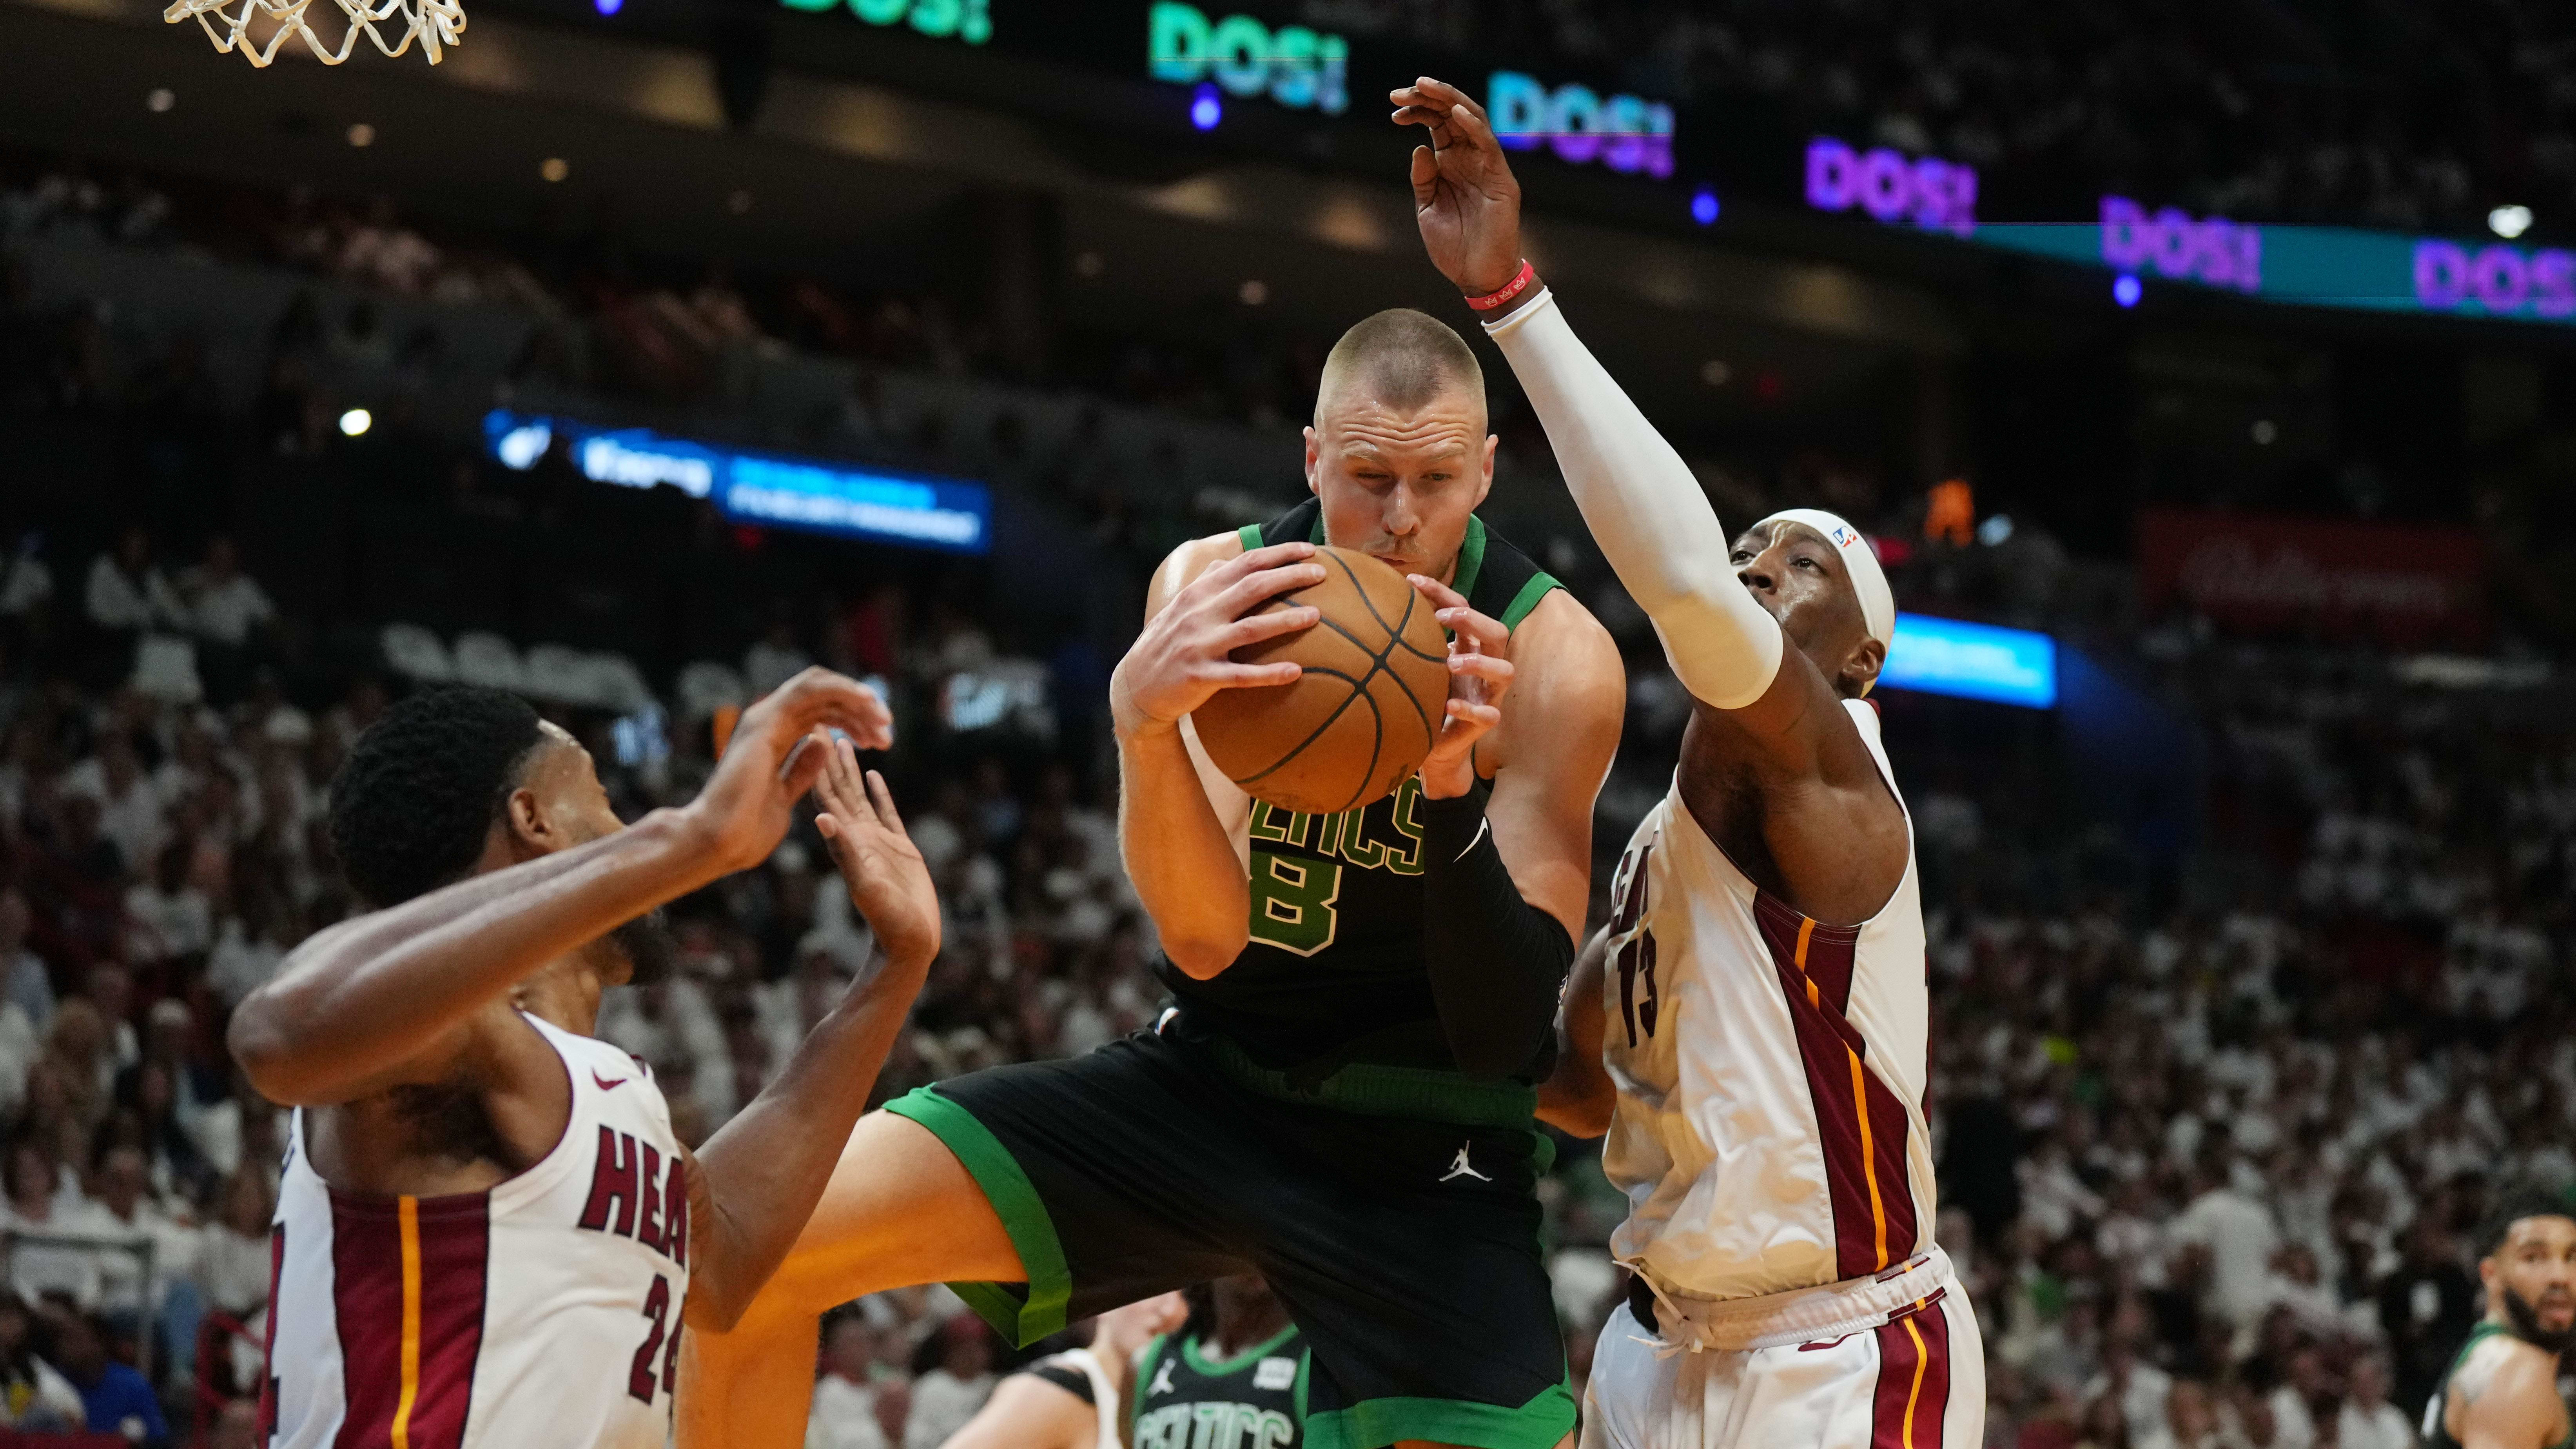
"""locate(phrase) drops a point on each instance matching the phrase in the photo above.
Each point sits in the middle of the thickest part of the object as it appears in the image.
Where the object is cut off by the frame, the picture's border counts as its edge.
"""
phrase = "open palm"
(888, 880)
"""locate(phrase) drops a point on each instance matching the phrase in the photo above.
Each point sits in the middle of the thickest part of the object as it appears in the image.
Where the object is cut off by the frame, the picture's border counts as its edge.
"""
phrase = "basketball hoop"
(230, 23)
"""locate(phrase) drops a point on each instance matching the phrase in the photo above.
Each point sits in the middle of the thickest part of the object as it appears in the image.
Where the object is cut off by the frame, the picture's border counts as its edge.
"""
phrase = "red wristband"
(1519, 283)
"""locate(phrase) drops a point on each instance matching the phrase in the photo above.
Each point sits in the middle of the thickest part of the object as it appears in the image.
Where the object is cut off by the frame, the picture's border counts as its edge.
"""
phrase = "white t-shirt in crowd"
(2240, 1237)
(227, 612)
(232, 1270)
(135, 820)
(941, 1405)
(2293, 1427)
(2384, 1427)
(172, 923)
(239, 965)
(25, 582)
(118, 602)
(844, 1416)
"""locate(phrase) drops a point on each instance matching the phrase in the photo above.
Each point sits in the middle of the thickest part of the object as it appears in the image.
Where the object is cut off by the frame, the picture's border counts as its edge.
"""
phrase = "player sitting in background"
(2502, 1389)
(1765, 1037)
(487, 1233)
(1238, 1365)
(1076, 1399)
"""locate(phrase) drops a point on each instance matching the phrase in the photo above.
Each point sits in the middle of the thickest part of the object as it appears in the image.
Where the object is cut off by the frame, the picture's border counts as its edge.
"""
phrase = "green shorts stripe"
(1021, 1320)
(1542, 1423)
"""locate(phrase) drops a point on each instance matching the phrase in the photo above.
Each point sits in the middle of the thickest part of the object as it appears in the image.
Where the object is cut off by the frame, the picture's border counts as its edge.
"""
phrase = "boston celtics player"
(2502, 1389)
(1228, 1369)
(1341, 1100)
(1235, 1374)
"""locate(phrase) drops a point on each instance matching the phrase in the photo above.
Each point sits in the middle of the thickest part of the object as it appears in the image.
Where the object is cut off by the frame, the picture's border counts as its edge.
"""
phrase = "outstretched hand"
(888, 880)
(1464, 196)
(1480, 674)
(780, 748)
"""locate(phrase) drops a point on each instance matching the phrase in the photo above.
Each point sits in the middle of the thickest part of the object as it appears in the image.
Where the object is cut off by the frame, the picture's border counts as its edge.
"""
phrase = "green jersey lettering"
(1280, 827)
(1292, 902)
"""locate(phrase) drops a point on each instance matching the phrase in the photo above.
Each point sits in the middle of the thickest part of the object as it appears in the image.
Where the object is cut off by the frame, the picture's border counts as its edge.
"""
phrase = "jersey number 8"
(1292, 902)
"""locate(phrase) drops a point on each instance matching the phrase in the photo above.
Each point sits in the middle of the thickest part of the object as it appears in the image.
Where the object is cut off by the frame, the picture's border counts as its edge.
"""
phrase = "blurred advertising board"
(2403, 584)
(765, 489)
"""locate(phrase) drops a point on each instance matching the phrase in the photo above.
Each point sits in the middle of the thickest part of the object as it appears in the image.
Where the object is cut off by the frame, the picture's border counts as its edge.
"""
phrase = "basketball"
(1365, 712)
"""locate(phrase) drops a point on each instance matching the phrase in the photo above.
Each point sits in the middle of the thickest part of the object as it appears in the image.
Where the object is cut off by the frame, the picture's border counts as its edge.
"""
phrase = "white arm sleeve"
(1646, 511)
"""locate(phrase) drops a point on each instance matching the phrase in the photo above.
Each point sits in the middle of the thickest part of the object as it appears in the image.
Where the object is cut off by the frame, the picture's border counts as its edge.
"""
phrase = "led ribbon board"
(2322, 266)
(1293, 65)
(1972, 661)
(968, 20)
(1622, 132)
(1926, 192)
(759, 488)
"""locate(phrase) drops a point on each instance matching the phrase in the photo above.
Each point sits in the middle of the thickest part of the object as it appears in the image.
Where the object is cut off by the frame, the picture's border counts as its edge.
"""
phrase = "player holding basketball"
(1764, 1035)
(2502, 1388)
(1342, 1100)
(487, 1234)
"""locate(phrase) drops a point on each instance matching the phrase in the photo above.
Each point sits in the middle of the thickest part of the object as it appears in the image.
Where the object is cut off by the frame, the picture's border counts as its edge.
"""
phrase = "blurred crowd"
(2378, 114)
(612, 316)
(2212, 1169)
(162, 846)
(2209, 1160)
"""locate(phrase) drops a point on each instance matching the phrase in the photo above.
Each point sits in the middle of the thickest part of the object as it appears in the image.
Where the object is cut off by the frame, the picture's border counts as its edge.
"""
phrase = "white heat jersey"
(545, 1311)
(1769, 1132)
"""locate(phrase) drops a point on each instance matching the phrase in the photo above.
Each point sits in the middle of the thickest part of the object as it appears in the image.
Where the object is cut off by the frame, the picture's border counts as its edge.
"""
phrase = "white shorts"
(1917, 1381)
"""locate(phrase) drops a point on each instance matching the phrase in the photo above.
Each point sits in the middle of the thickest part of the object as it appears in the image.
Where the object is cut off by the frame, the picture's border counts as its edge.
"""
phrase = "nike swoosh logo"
(608, 1084)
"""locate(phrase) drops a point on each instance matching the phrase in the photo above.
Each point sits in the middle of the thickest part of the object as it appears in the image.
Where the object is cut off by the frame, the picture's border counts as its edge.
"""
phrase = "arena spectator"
(115, 1399)
(2367, 1420)
(127, 592)
(956, 1378)
(845, 1397)
(34, 1396)
(43, 1205)
(23, 977)
(226, 611)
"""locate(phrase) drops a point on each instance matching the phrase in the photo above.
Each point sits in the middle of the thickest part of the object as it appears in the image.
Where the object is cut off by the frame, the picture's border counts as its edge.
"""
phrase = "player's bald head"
(1403, 361)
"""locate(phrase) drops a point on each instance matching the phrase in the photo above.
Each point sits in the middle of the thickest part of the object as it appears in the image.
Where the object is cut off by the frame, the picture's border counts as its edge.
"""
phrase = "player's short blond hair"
(1404, 358)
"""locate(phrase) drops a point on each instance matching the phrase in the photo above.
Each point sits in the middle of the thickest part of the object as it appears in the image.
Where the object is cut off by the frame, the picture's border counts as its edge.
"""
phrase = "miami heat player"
(487, 1233)
(1764, 1035)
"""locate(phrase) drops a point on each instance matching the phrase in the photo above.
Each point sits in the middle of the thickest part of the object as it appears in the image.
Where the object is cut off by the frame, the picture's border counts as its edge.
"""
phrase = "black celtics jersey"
(1186, 1399)
(1333, 973)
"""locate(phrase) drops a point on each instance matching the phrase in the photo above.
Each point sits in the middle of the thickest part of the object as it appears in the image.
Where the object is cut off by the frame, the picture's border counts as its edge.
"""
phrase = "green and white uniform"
(1188, 1399)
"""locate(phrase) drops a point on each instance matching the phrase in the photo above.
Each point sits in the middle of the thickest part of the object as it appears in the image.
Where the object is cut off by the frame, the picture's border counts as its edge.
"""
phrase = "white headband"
(1869, 581)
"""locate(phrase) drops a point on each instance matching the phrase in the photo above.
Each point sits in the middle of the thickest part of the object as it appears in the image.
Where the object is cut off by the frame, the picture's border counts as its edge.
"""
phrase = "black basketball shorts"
(1391, 1210)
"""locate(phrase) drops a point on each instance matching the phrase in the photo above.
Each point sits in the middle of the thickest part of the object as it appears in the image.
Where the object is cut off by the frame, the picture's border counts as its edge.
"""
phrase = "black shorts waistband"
(1381, 1091)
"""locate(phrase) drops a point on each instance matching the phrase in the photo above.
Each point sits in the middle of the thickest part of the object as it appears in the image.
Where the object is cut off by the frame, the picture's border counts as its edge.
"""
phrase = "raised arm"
(756, 1182)
(1827, 819)
(1649, 515)
(388, 998)
(1180, 853)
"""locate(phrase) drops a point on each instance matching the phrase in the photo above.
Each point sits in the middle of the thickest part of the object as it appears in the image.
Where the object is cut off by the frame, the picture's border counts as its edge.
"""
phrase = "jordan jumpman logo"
(1460, 1168)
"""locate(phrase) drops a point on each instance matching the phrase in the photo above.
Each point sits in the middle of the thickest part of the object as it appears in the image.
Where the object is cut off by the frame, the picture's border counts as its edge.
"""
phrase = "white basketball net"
(239, 24)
